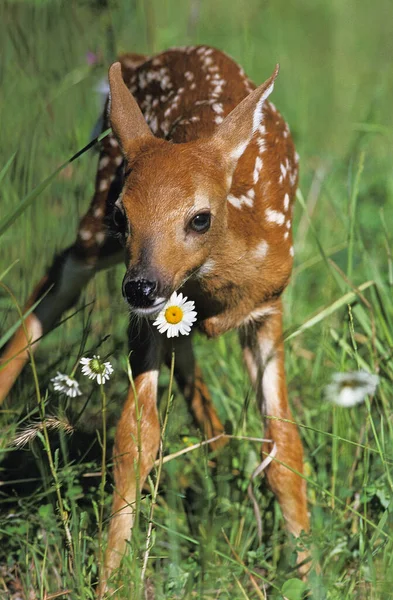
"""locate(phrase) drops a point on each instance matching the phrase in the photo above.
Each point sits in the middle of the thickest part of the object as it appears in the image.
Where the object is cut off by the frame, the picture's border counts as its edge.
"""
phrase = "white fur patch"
(207, 267)
(271, 387)
(238, 151)
(257, 169)
(201, 201)
(34, 327)
(104, 162)
(85, 235)
(260, 313)
(261, 250)
(274, 216)
(257, 116)
(243, 200)
(286, 202)
(100, 238)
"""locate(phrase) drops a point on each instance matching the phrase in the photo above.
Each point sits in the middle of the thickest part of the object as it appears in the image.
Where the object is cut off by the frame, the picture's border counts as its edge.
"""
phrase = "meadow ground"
(335, 89)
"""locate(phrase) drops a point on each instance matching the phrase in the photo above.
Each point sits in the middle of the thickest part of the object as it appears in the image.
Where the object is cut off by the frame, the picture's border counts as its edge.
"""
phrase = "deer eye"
(119, 220)
(201, 222)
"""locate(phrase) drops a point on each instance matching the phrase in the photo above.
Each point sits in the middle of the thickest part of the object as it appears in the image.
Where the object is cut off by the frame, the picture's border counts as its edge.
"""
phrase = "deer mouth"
(152, 310)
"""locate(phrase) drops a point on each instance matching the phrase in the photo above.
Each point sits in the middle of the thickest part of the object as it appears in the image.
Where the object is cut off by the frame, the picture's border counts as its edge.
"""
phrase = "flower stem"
(103, 442)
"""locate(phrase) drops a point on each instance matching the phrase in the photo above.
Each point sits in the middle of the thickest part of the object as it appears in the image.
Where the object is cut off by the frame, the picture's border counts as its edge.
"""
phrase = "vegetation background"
(336, 90)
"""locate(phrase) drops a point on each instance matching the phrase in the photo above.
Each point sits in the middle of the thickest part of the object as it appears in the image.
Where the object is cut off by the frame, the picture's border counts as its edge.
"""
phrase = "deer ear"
(237, 129)
(127, 120)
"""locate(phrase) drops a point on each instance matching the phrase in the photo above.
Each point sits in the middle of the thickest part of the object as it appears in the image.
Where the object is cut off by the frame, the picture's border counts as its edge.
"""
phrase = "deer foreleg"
(136, 444)
(264, 356)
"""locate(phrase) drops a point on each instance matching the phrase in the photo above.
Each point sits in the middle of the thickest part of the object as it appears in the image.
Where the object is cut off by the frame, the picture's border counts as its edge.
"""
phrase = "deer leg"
(190, 381)
(136, 443)
(264, 356)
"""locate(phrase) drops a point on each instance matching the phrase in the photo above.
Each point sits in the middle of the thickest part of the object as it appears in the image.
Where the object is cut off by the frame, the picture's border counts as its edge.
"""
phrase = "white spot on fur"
(286, 202)
(291, 251)
(153, 124)
(234, 201)
(98, 212)
(288, 224)
(113, 141)
(85, 235)
(274, 216)
(261, 144)
(100, 238)
(244, 200)
(218, 120)
(286, 235)
(257, 168)
(261, 250)
(104, 162)
(218, 108)
(283, 170)
(104, 184)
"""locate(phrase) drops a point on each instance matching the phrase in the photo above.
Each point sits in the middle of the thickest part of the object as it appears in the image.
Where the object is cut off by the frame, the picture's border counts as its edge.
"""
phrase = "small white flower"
(349, 389)
(66, 385)
(177, 316)
(94, 368)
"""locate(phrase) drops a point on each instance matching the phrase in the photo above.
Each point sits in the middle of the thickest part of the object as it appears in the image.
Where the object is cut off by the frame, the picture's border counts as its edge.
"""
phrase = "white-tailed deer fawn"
(199, 177)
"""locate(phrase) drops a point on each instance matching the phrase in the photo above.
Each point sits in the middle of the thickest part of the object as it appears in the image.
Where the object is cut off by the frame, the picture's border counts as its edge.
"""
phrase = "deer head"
(173, 207)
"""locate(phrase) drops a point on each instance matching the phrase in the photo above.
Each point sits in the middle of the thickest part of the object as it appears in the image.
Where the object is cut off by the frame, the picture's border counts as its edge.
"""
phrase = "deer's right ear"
(235, 132)
(127, 121)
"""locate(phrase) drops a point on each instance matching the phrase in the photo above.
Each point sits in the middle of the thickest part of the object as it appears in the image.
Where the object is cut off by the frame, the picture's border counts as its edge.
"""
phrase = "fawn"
(199, 176)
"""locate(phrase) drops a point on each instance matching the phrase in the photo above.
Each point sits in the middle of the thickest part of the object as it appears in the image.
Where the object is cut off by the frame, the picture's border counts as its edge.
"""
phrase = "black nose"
(140, 293)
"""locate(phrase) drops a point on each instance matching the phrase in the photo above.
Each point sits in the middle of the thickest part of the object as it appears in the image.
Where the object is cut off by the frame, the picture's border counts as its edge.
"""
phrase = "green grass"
(335, 89)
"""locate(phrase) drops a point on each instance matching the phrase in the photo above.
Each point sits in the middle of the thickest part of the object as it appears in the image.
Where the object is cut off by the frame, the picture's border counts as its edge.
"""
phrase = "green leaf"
(293, 589)
(7, 166)
(329, 310)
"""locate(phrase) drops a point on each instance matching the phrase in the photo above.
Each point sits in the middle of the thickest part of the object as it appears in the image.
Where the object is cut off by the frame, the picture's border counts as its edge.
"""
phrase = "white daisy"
(177, 316)
(66, 385)
(349, 389)
(94, 368)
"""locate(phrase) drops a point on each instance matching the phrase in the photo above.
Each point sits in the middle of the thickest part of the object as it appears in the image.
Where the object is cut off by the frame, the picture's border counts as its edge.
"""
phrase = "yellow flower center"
(173, 315)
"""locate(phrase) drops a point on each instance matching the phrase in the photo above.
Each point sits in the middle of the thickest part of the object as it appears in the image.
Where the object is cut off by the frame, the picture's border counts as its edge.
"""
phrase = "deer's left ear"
(127, 121)
(237, 129)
